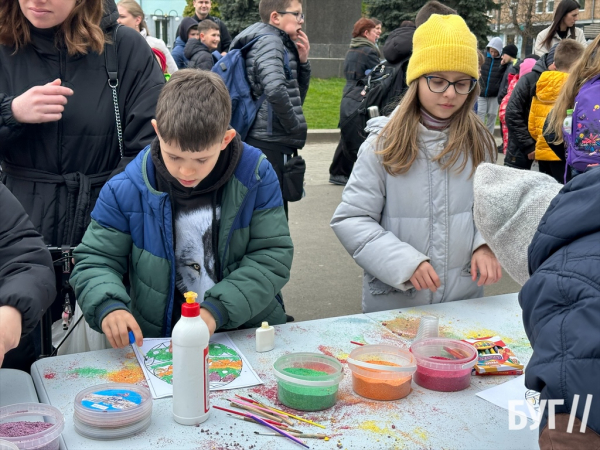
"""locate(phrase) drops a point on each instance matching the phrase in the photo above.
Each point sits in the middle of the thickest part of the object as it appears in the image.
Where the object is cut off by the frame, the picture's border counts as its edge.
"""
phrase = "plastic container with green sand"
(307, 381)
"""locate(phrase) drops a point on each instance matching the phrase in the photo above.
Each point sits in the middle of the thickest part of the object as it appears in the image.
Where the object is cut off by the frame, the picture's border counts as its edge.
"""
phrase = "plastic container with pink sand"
(443, 364)
(31, 426)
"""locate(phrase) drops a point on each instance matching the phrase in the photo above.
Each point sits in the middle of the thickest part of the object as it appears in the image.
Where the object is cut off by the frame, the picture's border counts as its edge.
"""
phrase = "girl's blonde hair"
(468, 137)
(81, 29)
(136, 11)
(587, 68)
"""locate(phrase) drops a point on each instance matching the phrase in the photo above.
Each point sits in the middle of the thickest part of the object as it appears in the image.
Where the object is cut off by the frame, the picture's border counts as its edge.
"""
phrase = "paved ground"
(325, 280)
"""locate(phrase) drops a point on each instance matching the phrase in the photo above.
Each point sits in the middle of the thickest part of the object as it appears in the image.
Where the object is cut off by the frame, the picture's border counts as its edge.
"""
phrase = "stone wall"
(329, 26)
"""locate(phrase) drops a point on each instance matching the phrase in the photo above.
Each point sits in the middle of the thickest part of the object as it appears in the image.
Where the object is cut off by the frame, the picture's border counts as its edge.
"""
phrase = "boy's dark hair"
(567, 53)
(207, 25)
(432, 7)
(407, 23)
(193, 110)
(266, 7)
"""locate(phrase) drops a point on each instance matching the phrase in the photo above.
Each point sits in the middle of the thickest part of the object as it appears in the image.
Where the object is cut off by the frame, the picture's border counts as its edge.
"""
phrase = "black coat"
(513, 68)
(26, 273)
(225, 36)
(492, 72)
(198, 55)
(358, 61)
(280, 120)
(398, 45)
(56, 169)
(561, 300)
(520, 142)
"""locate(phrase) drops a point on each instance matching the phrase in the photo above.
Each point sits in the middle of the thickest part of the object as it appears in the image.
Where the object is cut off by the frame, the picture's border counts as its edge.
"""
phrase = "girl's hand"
(209, 320)
(425, 278)
(116, 326)
(484, 261)
(41, 104)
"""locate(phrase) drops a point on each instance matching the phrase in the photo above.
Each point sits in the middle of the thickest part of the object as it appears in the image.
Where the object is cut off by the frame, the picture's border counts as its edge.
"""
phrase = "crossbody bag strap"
(112, 69)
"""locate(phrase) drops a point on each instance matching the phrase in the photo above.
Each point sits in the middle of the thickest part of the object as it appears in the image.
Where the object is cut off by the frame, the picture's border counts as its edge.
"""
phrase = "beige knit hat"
(509, 204)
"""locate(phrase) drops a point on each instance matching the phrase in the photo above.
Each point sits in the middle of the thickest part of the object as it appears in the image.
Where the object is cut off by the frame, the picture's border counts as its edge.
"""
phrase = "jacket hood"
(526, 66)
(549, 85)
(573, 214)
(178, 42)
(194, 46)
(496, 44)
(258, 29)
(184, 28)
(399, 44)
(111, 14)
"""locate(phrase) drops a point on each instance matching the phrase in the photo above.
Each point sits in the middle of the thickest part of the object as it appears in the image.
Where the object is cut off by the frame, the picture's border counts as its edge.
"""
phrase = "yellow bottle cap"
(190, 297)
(265, 325)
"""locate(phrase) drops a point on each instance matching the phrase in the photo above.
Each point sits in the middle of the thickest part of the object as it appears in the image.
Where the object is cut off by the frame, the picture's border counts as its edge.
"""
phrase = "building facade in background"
(163, 18)
(532, 16)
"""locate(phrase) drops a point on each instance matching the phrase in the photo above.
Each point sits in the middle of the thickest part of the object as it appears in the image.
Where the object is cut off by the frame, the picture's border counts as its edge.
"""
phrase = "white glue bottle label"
(265, 338)
(190, 365)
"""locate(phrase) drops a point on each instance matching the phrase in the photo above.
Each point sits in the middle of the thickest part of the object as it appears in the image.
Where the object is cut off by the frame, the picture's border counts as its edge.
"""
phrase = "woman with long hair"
(562, 27)
(131, 15)
(362, 57)
(406, 215)
(63, 129)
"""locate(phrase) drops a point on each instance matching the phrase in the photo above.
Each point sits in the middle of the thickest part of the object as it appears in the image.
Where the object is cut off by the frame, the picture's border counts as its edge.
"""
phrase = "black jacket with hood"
(198, 55)
(492, 73)
(56, 169)
(280, 120)
(513, 68)
(225, 36)
(520, 142)
(398, 45)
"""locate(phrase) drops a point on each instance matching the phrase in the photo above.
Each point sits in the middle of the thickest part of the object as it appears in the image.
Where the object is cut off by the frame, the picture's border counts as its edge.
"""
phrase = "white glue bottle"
(190, 365)
(265, 338)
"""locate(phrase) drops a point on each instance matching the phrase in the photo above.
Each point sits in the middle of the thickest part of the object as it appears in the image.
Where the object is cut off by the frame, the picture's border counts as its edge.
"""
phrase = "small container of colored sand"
(381, 372)
(307, 381)
(443, 364)
(112, 411)
(32, 426)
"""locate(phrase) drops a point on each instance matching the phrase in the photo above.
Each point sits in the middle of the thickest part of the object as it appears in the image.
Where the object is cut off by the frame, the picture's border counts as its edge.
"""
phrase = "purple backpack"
(583, 146)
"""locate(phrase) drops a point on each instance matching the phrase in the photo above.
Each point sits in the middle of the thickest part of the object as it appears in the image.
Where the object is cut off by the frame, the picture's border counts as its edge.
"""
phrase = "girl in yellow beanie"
(406, 215)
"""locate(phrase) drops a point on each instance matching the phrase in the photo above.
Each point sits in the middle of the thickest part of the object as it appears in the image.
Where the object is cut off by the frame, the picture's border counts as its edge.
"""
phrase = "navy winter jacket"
(492, 73)
(178, 53)
(561, 300)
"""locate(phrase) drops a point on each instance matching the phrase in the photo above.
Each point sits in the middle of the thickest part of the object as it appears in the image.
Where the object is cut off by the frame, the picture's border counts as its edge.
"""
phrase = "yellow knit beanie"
(443, 43)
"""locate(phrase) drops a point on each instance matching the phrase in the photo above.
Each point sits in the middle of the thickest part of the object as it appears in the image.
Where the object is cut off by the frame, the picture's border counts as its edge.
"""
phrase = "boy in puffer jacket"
(561, 299)
(197, 210)
(492, 73)
(566, 55)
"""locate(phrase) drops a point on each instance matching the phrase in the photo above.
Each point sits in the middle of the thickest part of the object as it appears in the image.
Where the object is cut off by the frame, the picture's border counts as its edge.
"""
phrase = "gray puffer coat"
(391, 224)
(285, 93)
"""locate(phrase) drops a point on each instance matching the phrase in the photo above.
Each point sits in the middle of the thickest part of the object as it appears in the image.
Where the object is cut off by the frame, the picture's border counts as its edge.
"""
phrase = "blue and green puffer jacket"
(132, 227)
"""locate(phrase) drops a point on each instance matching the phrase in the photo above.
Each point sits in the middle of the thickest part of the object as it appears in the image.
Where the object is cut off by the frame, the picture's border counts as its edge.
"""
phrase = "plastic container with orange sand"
(443, 364)
(381, 372)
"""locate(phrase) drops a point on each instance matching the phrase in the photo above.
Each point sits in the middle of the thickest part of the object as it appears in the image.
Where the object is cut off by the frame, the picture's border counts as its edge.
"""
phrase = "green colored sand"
(306, 398)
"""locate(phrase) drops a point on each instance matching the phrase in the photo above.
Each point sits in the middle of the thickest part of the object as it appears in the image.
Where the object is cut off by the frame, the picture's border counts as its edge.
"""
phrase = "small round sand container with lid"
(112, 411)
(307, 381)
(443, 364)
(381, 372)
(31, 426)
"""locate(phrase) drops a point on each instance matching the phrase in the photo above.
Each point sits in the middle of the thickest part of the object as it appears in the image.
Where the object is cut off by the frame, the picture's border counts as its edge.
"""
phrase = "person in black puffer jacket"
(27, 285)
(492, 73)
(520, 151)
(199, 52)
(279, 129)
(561, 310)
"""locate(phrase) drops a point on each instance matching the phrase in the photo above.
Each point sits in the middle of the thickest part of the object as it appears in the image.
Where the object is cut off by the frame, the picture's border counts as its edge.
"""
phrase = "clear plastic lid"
(33, 412)
(6, 445)
(444, 354)
(383, 358)
(330, 367)
(113, 405)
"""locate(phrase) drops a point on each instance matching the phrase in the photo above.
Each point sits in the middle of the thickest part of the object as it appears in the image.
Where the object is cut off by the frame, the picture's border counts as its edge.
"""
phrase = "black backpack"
(383, 87)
